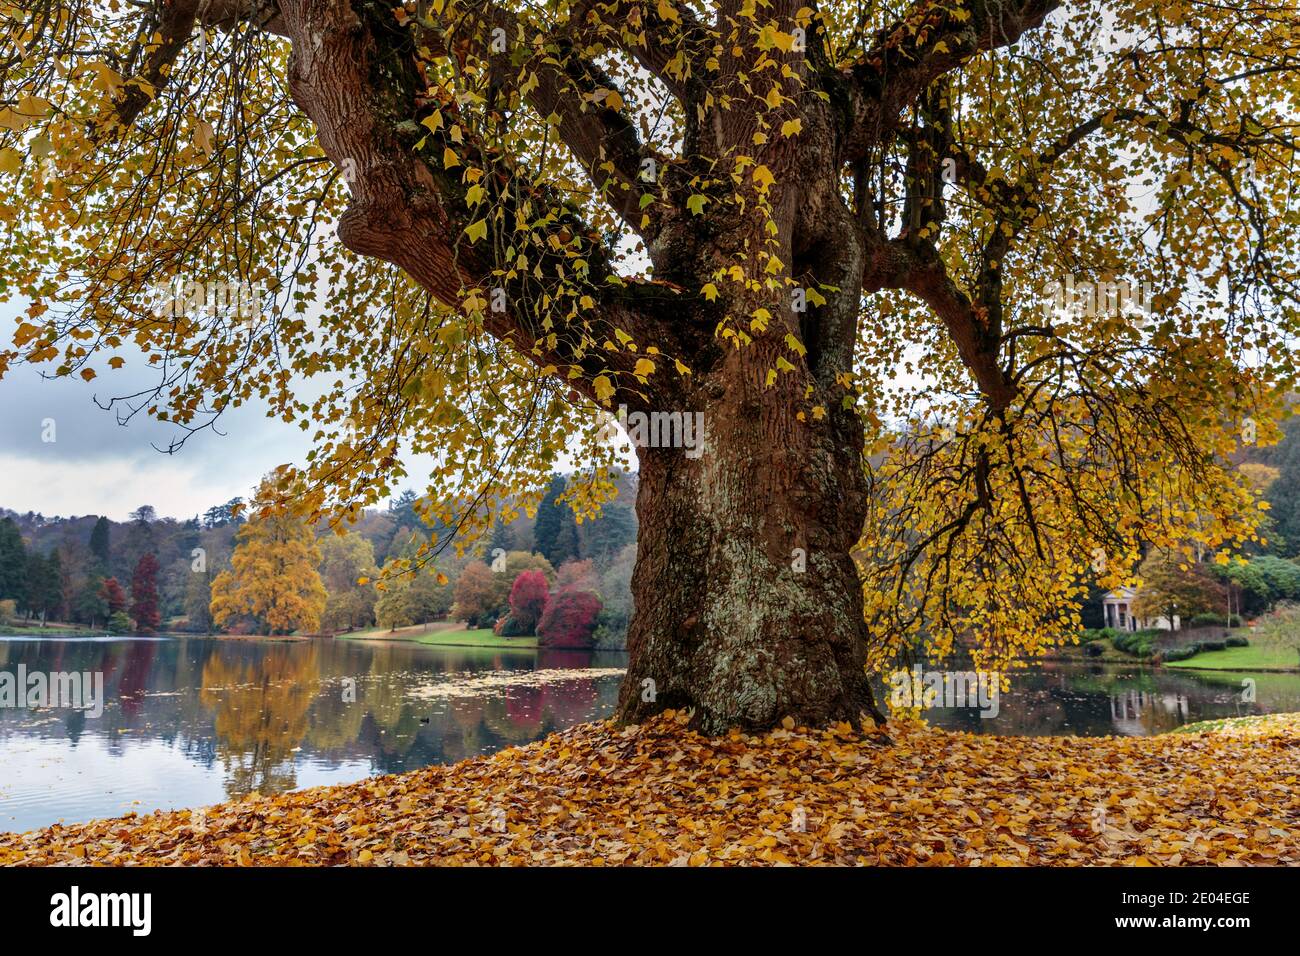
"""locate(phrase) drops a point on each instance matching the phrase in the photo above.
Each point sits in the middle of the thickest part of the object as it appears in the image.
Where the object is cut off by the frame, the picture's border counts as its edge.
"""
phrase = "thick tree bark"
(748, 608)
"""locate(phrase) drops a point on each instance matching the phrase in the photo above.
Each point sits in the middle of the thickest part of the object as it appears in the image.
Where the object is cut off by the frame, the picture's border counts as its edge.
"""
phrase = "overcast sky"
(96, 466)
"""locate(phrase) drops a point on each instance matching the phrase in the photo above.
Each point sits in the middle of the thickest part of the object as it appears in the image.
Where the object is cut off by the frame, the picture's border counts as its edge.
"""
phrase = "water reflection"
(1097, 699)
(194, 721)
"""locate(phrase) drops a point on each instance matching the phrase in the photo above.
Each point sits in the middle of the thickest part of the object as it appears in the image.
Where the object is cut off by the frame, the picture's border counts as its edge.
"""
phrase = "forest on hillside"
(95, 572)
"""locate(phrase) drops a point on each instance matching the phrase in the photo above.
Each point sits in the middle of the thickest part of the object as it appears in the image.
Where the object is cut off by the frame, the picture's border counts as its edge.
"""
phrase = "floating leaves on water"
(489, 684)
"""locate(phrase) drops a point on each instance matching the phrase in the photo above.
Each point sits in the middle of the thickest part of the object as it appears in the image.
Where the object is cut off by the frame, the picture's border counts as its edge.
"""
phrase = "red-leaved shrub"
(528, 598)
(569, 618)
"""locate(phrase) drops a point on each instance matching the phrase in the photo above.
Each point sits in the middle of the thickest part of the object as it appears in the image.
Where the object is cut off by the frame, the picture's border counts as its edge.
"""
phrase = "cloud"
(60, 453)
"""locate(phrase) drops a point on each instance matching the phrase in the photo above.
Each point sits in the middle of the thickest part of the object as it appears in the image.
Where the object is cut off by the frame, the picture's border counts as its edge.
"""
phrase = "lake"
(194, 721)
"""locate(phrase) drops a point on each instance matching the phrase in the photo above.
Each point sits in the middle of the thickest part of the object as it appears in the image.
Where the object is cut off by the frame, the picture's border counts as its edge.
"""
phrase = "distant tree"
(13, 562)
(402, 510)
(33, 602)
(616, 598)
(198, 602)
(42, 597)
(528, 596)
(67, 565)
(145, 514)
(114, 597)
(144, 594)
(416, 597)
(1261, 582)
(475, 594)
(273, 579)
(504, 536)
(569, 619)
(579, 574)
(222, 515)
(608, 534)
(556, 534)
(1283, 493)
(1280, 629)
(1172, 585)
(90, 606)
(101, 545)
(140, 539)
(503, 577)
(345, 559)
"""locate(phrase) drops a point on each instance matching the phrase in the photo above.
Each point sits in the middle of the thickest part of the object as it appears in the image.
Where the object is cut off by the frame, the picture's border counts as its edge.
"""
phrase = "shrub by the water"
(569, 619)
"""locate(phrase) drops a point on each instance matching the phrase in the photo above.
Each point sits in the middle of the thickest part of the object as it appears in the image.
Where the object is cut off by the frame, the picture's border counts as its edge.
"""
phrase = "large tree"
(824, 234)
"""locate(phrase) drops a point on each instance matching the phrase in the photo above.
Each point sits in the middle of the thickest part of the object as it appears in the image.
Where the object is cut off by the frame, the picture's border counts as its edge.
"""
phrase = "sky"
(93, 465)
(61, 454)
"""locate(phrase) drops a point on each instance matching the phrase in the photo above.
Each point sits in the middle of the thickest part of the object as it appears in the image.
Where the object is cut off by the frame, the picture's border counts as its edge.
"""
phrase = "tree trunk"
(748, 608)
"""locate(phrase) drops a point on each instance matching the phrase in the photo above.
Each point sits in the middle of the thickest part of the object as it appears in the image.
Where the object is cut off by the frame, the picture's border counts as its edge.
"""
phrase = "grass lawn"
(1251, 658)
(453, 635)
(482, 637)
(56, 630)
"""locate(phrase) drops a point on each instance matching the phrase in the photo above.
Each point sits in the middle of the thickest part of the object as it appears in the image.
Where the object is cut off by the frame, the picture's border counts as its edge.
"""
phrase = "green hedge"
(1138, 643)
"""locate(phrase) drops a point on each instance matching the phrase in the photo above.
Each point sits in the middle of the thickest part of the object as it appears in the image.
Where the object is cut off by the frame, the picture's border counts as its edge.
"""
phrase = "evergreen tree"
(1284, 493)
(56, 601)
(402, 510)
(100, 544)
(140, 540)
(198, 601)
(609, 534)
(221, 515)
(90, 606)
(13, 562)
(556, 534)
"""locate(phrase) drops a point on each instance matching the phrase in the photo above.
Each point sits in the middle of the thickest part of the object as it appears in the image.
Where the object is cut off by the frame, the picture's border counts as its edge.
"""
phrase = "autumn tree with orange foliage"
(273, 583)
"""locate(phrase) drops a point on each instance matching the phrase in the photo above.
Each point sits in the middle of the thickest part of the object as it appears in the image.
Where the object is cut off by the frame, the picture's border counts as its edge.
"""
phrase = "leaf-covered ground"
(658, 794)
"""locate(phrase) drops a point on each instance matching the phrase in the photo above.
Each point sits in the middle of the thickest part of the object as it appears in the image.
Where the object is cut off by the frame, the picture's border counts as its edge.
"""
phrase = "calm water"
(191, 722)
(1088, 700)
